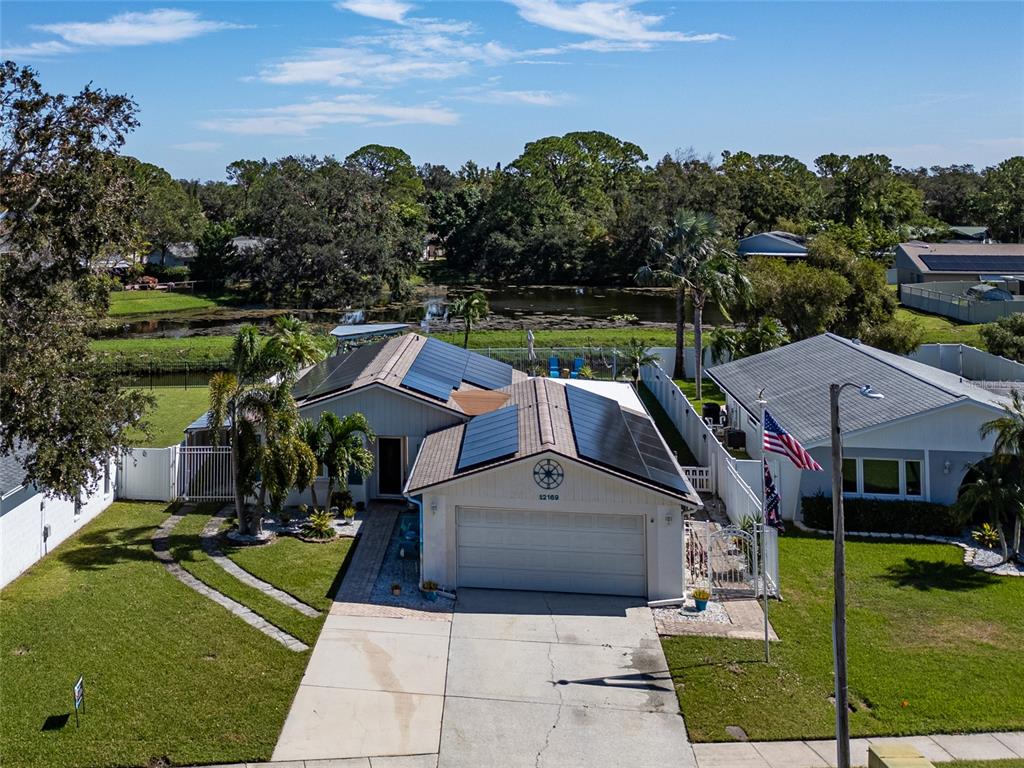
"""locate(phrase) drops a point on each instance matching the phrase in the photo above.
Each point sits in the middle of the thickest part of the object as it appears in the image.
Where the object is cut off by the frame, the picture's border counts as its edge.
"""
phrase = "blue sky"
(925, 83)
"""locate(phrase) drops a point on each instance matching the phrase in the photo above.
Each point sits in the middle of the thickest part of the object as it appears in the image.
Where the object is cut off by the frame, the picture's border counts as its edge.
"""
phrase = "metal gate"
(205, 473)
(733, 561)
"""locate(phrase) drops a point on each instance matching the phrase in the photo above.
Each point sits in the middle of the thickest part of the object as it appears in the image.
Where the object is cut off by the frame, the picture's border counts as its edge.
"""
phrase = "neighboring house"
(916, 444)
(918, 262)
(966, 232)
(359, 333)
(174, 255)
(33, 523)
(777, 244)
(562, 488)
(522, 483)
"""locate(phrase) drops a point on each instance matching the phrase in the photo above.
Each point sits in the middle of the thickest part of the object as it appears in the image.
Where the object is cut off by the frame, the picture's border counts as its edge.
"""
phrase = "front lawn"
(168, 673)
(175, 409)
(196, 351)
(934, 647)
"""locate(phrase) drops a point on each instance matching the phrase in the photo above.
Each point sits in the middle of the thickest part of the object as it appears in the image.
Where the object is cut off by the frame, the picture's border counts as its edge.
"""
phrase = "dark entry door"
(389, 473)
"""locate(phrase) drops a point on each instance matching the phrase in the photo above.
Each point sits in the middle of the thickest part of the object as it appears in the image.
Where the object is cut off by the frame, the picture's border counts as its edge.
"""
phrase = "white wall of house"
(583, 489)
(25, 513)
(391, 414)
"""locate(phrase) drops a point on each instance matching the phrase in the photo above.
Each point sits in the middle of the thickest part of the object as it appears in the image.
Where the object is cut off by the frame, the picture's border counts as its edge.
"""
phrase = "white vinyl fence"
(732, 480)
(189, 473)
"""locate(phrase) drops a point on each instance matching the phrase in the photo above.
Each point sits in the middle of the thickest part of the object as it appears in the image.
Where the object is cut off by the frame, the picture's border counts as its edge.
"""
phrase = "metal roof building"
(918, 262)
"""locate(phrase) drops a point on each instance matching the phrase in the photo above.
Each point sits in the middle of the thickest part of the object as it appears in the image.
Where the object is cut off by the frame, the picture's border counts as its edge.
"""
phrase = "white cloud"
(198, 146)
(163, 25)
(532, 98)
(358, 66)
(385, 10)
(605, 20)
(301, 119)
(40, 50)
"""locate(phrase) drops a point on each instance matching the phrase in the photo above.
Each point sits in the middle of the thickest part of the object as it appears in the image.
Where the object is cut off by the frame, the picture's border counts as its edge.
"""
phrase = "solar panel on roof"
(624, 441)
(437, 369)
(990, 263)
(486, 372)
(490, 436)
(335, 373)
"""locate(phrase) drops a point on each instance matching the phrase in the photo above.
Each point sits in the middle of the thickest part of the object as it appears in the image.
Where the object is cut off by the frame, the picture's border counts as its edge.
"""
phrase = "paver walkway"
(161, 548)
(373, 543)
(208, 539)
(822, 754)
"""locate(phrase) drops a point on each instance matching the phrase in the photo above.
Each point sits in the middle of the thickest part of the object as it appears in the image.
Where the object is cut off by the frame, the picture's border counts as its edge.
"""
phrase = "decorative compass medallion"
(548, 474)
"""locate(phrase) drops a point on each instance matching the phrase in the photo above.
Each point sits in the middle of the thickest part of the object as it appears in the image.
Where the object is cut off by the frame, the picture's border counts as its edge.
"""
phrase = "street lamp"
(839, 574)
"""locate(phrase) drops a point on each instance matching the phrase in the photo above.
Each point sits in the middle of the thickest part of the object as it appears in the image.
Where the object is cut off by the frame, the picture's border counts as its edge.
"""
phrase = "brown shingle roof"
(545, 424)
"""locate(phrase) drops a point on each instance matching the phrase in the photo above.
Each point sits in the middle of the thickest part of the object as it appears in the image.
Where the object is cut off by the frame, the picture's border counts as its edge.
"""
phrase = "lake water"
(517, 303)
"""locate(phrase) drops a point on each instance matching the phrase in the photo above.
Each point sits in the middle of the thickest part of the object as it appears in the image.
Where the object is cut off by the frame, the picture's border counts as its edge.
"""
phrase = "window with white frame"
(897, 478)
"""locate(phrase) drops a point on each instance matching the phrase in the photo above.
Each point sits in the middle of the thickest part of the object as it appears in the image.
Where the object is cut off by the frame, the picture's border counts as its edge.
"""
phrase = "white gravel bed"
(714, 614)
(406, 572)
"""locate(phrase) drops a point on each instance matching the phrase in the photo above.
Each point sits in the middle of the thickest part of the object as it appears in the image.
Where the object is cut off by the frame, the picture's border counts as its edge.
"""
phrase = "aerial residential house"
(776, 244)
(915, 444)
(173, 255)
(918, 262)
(522, 483)
(32, 522)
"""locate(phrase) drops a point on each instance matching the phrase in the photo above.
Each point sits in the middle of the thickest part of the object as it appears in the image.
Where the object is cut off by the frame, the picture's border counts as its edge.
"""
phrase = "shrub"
(167, 274)
(701, 594)
(319, 526)
(885, 516)
(987, 535)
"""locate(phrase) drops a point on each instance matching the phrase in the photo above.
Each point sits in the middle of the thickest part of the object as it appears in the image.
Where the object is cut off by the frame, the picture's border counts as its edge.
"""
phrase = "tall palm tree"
(312, 436)
(343, 447)
(689, 257)
(293, 341)
(998, 492)
(767, 333)
(470, 308)
(1008, 451)
(242, 401)
(635, 356)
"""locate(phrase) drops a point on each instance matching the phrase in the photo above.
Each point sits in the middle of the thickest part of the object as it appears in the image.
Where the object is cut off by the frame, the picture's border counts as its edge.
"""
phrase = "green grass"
(985, 764)
(305, 571)
(185, 547)
(175, 409)
(150, 302)
(710, 393)
(942, 330)
(584, 337)
(168, 673)
(924, 629)
(195, 350)
(667, 428)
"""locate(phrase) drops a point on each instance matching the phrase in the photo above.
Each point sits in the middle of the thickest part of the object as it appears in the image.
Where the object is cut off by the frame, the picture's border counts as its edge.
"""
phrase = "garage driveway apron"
(545, 679)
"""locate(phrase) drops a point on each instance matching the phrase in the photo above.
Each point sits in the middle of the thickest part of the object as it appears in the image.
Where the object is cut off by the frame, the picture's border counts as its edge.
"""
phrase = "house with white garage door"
(562, 488)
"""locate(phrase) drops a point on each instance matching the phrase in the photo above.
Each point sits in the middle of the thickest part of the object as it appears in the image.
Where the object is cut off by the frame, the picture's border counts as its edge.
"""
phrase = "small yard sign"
(79, 691)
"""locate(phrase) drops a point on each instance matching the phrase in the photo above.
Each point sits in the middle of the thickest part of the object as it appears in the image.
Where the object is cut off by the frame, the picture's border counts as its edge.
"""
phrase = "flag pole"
(764, 531)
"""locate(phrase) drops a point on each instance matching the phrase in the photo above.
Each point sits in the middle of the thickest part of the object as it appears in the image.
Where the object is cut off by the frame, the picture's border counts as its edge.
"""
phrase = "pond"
(519, 304)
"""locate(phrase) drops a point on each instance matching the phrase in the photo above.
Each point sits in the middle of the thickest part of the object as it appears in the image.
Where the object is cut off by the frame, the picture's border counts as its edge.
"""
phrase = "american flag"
(772, 515)
(778, 440)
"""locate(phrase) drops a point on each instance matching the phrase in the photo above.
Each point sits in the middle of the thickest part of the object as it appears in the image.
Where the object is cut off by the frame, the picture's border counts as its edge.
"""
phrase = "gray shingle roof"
(795, 380)
(12, 471)
(545, 424)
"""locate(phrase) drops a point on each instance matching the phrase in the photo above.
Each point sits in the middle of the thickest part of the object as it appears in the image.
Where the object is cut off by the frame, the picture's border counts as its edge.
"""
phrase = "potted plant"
(987, 536)
(700, 598)
(396, 589)
(429, 590)
(349, 513)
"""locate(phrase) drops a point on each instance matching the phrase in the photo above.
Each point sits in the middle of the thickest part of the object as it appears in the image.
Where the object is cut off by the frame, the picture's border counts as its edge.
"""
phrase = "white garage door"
(553, 551)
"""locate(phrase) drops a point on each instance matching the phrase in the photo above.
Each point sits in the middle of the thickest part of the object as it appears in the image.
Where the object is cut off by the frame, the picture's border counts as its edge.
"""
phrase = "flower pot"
(702, 605)
(396, 591)
(429, 595)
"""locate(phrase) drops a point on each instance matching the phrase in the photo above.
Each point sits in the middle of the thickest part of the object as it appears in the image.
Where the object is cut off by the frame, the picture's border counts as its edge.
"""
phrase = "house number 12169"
(548, 497)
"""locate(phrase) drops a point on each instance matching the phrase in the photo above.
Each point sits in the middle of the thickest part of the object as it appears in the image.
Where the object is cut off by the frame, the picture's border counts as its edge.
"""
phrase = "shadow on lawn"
(926, 575)
(97, 550)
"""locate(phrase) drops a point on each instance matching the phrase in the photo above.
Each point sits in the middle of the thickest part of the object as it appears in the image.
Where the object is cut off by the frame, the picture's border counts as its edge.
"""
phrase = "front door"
(389, 469)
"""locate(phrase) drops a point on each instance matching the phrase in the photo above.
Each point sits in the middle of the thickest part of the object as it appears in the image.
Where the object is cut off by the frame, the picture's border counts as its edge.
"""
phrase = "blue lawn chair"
(553, 370)
(577, 366)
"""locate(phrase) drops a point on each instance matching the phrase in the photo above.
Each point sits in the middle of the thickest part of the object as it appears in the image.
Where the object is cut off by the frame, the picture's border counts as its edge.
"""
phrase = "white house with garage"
(562, 485)
(915, 444)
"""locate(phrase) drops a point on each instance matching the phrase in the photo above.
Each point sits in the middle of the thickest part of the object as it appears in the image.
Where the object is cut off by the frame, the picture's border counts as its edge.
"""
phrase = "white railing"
(700, 479)
(732, 480)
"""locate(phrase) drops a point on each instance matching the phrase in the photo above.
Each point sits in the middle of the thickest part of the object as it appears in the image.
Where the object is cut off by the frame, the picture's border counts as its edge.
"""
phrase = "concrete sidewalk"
(822, 754)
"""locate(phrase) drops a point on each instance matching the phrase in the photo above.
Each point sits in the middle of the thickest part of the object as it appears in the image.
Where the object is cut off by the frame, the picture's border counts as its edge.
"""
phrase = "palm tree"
(767, 333)
(470, 308)
(689, 258)
(1008, 451)
(293, 340)
(286, 460)
(343, 448)
(998, 492)
(312, 436)
(635, 356)
(241, 401)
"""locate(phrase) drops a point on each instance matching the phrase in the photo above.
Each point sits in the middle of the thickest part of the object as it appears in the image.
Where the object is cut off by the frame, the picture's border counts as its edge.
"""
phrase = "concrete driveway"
(514, 679)
(544, 679)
